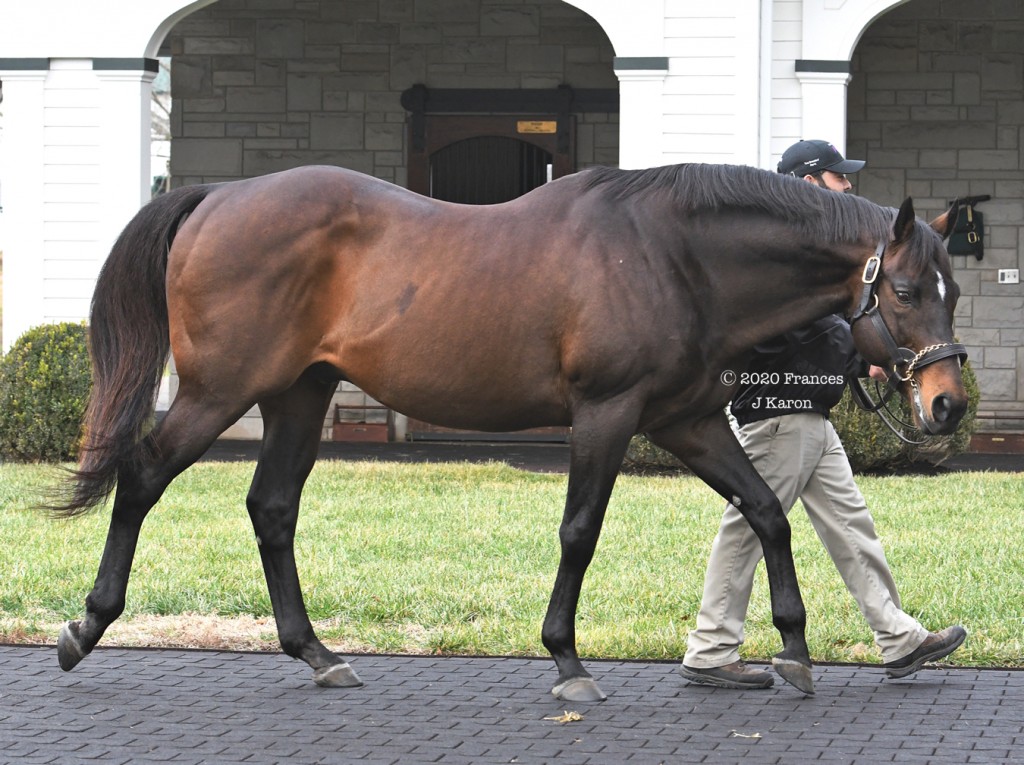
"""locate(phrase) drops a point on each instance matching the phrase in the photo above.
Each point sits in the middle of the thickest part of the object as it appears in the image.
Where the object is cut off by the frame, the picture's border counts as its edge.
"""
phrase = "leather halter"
(904, 361)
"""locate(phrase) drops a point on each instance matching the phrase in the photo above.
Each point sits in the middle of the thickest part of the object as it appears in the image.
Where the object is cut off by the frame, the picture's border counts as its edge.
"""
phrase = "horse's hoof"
(69, 650)
(796, 674)
(579, 689)
(337, 676)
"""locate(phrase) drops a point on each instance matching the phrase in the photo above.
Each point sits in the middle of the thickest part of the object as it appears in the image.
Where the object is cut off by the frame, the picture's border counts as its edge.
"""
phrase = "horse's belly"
(480, 383)
(491, 409)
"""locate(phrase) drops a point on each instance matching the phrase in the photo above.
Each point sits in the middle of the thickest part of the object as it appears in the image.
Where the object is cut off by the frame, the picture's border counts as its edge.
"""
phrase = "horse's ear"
(944, 224)
(904, 221)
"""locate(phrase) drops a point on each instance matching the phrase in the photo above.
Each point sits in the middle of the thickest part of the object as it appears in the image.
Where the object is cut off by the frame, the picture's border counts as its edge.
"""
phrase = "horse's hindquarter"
(250, 271)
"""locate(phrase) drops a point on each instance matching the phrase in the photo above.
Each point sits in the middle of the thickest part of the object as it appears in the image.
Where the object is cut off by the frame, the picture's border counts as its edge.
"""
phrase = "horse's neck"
(793, 290)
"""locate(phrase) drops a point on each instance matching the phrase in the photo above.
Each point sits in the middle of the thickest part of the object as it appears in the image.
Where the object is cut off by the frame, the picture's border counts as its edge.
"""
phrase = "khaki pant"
(800, 456)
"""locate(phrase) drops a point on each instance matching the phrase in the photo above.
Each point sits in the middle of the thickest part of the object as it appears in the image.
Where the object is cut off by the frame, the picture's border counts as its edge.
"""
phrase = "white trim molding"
(823, 98)
(641, 82)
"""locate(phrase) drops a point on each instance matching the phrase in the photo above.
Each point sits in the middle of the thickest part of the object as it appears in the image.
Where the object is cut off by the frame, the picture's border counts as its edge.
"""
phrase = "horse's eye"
(903, 296)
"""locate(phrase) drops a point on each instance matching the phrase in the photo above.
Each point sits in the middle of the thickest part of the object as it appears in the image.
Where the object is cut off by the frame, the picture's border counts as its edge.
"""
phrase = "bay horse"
(615, 302)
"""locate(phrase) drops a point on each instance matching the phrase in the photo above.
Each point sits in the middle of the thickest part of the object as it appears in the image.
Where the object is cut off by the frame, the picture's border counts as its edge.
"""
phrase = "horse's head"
(903, 320)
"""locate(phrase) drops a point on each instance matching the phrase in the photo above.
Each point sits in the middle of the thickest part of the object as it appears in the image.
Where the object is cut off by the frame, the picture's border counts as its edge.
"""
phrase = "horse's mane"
(695, 187)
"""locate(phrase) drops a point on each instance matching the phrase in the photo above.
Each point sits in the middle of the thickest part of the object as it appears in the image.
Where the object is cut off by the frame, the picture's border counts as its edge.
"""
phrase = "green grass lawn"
(461, 558)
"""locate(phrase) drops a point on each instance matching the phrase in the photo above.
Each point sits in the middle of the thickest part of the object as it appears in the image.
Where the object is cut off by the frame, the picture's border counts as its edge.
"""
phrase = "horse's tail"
(129, 343)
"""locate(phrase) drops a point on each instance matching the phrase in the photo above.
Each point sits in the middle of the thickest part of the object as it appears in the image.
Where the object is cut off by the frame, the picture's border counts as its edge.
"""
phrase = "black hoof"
(69, 650)
(337, 676)
(796, 674)
(579, 689)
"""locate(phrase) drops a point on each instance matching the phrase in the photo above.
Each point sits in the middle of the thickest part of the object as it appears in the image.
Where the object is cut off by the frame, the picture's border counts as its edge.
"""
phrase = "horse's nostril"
(945, 409)
(940, 408)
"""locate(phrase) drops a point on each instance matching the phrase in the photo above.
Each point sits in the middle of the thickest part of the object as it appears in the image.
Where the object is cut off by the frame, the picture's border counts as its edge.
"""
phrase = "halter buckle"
(871, 269)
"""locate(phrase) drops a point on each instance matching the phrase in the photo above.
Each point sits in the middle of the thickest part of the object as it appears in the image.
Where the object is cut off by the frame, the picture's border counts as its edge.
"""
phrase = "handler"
(793, 382)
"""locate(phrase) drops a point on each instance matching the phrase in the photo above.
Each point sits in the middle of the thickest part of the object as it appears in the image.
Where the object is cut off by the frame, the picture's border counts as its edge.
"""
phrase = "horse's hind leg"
(291, 438)
(185, 433)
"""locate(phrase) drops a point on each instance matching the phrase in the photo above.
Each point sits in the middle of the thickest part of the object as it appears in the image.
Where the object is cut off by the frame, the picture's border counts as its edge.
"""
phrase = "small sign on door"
(537, 126)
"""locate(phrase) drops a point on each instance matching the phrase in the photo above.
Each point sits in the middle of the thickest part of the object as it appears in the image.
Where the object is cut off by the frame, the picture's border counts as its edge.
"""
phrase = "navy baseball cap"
(809, 157)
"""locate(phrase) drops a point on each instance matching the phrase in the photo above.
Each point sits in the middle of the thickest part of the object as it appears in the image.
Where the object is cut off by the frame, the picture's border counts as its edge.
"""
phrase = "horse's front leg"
(291, 438)
(710, 449)
(598, 445)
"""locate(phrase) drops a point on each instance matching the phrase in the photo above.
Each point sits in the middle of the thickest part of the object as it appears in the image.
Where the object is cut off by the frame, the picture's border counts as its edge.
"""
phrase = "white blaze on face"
(942, 286)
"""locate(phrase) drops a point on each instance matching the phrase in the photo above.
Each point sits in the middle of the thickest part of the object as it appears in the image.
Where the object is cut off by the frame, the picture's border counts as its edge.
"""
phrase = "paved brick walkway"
(188, 707)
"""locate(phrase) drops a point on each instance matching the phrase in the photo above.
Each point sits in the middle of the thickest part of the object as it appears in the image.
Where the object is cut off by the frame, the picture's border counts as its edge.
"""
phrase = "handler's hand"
(877, 373)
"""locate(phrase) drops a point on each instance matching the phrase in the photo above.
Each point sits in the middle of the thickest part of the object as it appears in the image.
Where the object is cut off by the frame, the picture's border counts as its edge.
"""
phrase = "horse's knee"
(273, 521)
(578, 541)
(777, 530)
(768, 522)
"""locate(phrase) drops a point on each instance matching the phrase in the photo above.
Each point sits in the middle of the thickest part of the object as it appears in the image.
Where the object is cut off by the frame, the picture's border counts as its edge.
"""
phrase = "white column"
(641, 83)
(764, 94)
(823, 97)
(21, 195)
(124, 97)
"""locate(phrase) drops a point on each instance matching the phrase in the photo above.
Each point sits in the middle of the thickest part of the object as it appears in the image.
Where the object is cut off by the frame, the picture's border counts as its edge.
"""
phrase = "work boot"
(736, 675)
(936, 646)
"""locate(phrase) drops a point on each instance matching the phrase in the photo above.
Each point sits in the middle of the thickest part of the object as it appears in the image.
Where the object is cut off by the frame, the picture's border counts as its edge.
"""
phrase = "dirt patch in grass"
(235, 633)
(240, 633)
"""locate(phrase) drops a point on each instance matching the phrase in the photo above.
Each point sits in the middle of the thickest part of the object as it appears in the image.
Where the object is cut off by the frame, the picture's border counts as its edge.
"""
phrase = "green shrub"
(44, 387)
(869, 444)
(644, 457)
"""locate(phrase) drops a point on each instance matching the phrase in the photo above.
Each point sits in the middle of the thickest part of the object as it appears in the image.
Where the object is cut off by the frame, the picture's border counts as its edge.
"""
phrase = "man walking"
(800, 456)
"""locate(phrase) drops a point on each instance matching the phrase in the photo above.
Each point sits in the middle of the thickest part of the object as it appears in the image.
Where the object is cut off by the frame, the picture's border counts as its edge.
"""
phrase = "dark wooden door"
(484, 159)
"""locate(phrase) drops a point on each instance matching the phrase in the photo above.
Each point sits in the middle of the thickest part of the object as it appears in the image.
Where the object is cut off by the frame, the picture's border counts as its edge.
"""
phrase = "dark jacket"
(799, 372)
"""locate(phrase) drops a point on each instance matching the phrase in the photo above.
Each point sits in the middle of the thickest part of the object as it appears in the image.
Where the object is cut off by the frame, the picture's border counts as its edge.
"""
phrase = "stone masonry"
(263, 86)
(936, 107)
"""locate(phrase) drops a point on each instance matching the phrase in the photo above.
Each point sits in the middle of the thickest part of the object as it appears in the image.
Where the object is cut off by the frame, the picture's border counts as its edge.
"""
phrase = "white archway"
(186, 8)
(830, 32)
(832, 28)
(637, 34)
(634, 29)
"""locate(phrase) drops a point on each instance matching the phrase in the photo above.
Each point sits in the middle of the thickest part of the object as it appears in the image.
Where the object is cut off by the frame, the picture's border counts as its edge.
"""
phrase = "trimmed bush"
(644, 457)
(44, 386)
(870, 445)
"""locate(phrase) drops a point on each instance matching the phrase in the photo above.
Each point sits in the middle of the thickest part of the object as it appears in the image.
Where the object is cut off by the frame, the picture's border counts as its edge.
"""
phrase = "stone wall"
(936, 107)
(259, 87)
